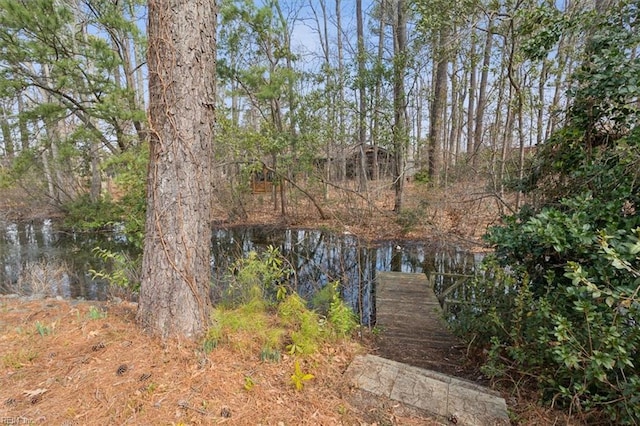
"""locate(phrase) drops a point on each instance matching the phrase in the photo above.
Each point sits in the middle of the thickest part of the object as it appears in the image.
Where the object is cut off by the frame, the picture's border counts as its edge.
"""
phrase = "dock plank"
(412, 328)
(419, 361)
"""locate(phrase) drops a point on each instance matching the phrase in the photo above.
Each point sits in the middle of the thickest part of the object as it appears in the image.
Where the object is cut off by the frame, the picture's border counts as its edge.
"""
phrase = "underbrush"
(261, 317)
(46, 278)
(556, 309)
(65, 362)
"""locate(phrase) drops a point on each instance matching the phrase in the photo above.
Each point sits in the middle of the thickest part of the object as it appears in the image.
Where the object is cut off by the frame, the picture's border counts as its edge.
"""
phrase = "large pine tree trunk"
(174, 295)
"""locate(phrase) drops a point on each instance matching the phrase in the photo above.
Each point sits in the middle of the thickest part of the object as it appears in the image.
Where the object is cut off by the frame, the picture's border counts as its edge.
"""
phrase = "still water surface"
(42, 251)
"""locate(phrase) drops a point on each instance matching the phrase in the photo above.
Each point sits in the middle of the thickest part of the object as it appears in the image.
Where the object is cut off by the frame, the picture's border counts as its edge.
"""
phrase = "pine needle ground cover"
(88, 363)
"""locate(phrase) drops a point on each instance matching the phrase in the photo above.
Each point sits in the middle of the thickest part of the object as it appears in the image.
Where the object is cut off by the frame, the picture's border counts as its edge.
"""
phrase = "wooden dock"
(412, 328)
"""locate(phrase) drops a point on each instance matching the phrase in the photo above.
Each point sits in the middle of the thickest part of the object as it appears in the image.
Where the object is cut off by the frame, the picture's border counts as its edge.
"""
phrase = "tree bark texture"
(7, 138)
(482, 96)
(377, 101)
(399, 103)
(437, 128)
(342, 148)
(174, 295)
(362, 104)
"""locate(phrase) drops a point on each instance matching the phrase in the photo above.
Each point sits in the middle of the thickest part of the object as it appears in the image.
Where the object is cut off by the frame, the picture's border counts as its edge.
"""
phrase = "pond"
(58, 261)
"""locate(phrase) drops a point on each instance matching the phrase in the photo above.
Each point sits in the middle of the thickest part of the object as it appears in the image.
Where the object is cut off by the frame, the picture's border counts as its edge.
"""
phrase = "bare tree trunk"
(377, 100)
(450, 146)
(515, 82)
(235, 101)
(323, 30)
(563, 68)
(323, 35)
(93, 140)
(22, 125)
(291, 97)
(96, 178)
(482, 95)
(444, 145)
(437, 127)
(342, 160)
(472, 93)
(419, 96)
(458, 129)
(362, 106)
(544, 76)
(51, 190)
(399, 102)
(500, 130)
(61, 185)
(122, 47)
(7, 138)
(521, 140)
(132, 98)
(139, 75)
(174, 294)
(507, 140)
(277, 118)
(61, 176)
(94, 144)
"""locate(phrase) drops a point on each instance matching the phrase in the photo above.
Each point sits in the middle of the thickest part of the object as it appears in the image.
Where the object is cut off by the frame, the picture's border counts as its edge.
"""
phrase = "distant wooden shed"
(352, 155)
(262, 181)
(373, 155)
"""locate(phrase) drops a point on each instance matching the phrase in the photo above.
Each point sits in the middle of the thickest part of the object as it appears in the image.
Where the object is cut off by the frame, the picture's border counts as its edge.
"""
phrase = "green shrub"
(564, 309)
(558, 301)
(246, 328)
(343, 320)
(85, 215)
(291, 309)
(254, 317)
(408, 219)
(260, 276)
(120, 269)
(322, 299)
(422, 176)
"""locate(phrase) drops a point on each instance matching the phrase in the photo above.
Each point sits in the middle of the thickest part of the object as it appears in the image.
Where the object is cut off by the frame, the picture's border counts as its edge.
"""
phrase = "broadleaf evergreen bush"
(557, 304)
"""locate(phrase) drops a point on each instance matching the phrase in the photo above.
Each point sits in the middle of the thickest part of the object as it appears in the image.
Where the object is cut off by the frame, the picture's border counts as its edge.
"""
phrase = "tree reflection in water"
(318, 256)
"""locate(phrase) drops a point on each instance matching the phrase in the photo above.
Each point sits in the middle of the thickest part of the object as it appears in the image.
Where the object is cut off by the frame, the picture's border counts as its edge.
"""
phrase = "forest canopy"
(304, 91)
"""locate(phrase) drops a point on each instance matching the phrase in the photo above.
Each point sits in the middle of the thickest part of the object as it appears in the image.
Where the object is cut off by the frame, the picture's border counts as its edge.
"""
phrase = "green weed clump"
(291, 309)
(307, 334)
(342, 318)
(16, 360)
(257, 276)
(299, 377)
(244, 327)
(120, 270)
(269, 325)
(44, 330)
(96, 313)
(329, 303)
